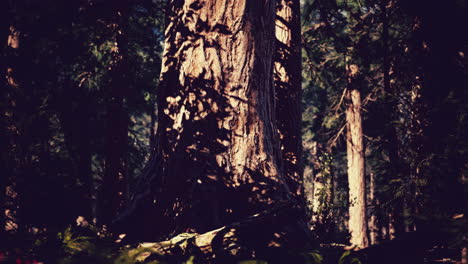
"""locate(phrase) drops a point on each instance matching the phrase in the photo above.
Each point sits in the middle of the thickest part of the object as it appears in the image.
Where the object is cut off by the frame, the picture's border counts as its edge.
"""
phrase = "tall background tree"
(390, 45)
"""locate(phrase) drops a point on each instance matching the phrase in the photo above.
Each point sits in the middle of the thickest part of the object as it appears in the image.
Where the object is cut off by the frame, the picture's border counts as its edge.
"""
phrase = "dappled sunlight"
(213, 116)
(233, 131)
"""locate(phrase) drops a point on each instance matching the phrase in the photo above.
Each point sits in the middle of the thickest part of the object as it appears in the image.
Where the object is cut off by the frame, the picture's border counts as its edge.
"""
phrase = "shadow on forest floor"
(80, 245)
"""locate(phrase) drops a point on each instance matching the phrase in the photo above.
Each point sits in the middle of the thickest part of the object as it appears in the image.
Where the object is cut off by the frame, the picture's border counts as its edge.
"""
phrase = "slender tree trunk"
(322, 204)
(339, 215)
(85, 158)
(77, 136)
(114, 186)
(11, 204)
(439, 80)
(323, 188)
(355, 155)
(373, 229)
(318, 201)
(309, 181)
(391, 135)
(4, 135)
(288, 70)
(153, 122)
(464, 255)
(4, 169)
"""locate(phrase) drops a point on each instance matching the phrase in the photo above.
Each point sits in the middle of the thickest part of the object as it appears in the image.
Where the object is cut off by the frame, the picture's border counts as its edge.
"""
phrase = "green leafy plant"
(313, 258)
(348, 258)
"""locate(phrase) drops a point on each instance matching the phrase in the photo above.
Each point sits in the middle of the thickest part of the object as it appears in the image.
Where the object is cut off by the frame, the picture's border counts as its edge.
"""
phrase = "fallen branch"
(260, 230)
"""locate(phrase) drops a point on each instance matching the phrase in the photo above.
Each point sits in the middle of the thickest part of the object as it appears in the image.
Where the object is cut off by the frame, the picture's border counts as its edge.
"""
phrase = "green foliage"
(81, 249)
(73, 245)
(348, 258)
(411, 121)
(55, 127)
(313, 258)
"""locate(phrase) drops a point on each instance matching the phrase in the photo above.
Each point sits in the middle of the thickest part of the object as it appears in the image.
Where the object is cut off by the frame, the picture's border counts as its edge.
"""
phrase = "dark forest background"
(75, 107)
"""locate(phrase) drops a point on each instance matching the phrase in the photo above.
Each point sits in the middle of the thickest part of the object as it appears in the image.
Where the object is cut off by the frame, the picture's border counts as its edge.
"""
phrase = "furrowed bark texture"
(217, 131)
(288, 70)
(356, 177)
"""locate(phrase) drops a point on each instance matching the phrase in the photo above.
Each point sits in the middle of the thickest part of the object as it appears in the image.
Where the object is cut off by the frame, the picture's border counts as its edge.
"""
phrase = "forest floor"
(80, 246)
(256, 239)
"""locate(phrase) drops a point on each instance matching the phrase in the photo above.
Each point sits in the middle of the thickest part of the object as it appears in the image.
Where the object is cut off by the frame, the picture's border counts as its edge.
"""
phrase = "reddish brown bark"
(355, 154)
(217, 130)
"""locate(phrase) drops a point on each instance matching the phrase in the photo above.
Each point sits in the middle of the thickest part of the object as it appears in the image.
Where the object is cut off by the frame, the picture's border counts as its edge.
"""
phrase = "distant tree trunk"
(439, 54)
(322, 190)
(85, 157)
(76, 129)
(318, 201)
(355, 155)
(4, 135)
(323, 199)
(114, 187)
(81, 137)
(309, 185)
(373, 229)
(464, 255)
(9, 195)
(417, 123)
(153, 122)
(4, 169)
(391, 135)
(288, 70)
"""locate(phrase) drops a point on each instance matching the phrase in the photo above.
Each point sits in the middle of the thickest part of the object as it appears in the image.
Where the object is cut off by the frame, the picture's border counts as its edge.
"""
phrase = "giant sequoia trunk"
(355, 156)
(218, 145)
(288, 69)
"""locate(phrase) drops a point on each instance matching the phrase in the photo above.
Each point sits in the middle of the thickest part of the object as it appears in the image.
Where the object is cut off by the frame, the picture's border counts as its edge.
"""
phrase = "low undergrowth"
(89, 245)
